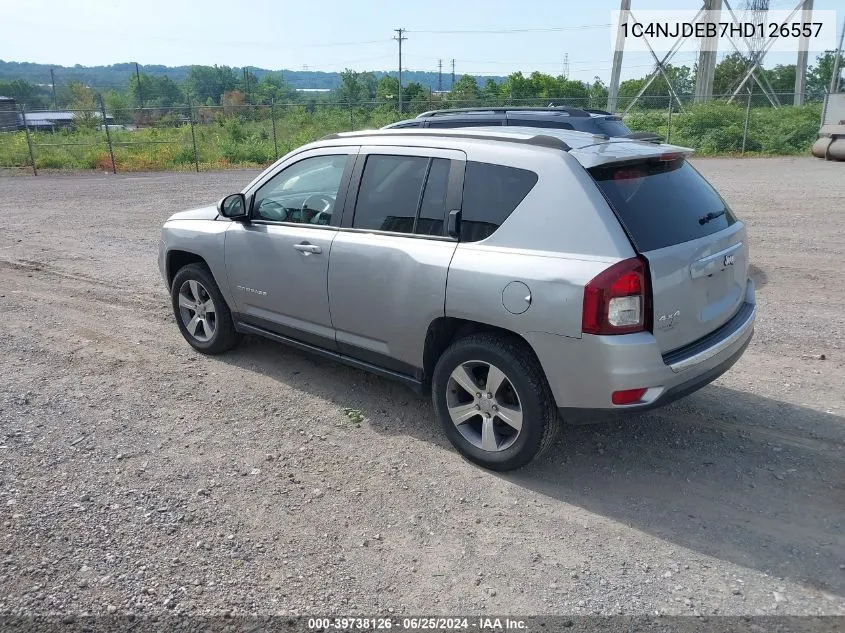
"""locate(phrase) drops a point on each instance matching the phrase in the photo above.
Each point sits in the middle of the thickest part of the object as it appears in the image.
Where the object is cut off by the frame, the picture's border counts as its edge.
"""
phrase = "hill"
(117, 75)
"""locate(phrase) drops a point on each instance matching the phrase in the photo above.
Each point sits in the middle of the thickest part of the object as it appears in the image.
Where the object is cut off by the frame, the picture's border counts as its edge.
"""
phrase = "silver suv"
(521, 278)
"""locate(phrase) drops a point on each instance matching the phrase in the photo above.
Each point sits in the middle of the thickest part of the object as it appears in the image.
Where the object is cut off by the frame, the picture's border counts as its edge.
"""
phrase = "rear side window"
(491, 193)
(662, 203)
(403, 194)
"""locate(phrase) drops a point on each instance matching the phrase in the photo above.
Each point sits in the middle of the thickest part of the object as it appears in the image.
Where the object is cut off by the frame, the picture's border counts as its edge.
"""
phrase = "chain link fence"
(201, 137)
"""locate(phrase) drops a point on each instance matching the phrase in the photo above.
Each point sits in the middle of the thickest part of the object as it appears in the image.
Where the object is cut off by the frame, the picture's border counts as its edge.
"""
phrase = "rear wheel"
(201, 312)
(492, 399)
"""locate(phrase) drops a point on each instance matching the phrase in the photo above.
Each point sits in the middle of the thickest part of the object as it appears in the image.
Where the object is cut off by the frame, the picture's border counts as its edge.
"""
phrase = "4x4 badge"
(666, 321)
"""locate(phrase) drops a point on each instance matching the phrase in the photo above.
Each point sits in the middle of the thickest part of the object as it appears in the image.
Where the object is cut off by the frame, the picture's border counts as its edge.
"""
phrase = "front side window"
(304, 193)
(403, 194)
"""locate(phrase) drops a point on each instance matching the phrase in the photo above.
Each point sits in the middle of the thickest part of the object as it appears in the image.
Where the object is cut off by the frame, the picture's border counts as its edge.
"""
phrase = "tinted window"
(304, 193)
(612, 127)
(491, 193)
(433, 207)
(552, 123)
(452, 123)
(662, 203)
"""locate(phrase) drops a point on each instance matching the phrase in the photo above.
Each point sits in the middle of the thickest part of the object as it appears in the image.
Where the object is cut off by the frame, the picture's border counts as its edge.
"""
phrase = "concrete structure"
(707, 55)
(618, 52)
(801, 65)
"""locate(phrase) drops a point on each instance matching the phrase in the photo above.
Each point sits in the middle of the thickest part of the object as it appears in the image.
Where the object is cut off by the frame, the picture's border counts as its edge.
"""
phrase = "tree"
(25, 93)
(782, 80)
(208, 83)
(273, 87)
(465, 92)
(117, 106)
(84, 105)
(729, 72)
(517, 88)
(351, 90)
(247, 84)
(657, 95)
(490, 92)
(387, 89)
(356, 88)
(597, 93)
(155, 92)
(414, 96)
(233, 102)
(820, 75)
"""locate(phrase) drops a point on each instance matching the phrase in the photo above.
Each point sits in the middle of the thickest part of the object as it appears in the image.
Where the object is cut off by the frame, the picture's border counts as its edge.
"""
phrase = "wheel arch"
(178, 259)
(443, 331)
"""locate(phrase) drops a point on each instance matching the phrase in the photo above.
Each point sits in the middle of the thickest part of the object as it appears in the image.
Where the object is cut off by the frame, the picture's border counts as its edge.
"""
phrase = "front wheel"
(201, 312)
(491, 396)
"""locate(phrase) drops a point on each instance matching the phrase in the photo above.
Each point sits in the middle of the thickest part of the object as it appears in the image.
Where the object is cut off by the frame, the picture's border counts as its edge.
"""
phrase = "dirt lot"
(138, 476)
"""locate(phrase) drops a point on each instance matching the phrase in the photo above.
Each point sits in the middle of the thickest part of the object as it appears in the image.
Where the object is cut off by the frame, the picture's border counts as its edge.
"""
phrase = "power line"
(557, 29)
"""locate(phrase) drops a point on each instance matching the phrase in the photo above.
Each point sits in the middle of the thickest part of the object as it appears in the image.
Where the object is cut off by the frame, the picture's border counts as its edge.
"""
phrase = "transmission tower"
(566, 65)
(758, 10)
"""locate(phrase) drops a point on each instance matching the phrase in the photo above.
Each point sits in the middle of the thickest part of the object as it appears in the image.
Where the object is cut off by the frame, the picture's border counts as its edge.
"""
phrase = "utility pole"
(834, 79)
(801, 64)
(618, 51)
(453, 75)
(140, 89)
(439, 75)
(400, 38)
(53, 81)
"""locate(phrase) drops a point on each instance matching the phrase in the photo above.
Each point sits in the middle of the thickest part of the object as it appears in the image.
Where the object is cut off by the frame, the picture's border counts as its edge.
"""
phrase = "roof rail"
(538, 140)
(482, 110)
(596, 111)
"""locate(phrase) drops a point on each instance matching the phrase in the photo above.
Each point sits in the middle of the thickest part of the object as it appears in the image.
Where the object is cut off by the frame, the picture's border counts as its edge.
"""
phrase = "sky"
(493, 37)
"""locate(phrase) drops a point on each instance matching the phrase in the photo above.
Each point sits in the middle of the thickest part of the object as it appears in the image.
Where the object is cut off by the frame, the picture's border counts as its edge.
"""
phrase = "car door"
(277, 261)
(389, 262)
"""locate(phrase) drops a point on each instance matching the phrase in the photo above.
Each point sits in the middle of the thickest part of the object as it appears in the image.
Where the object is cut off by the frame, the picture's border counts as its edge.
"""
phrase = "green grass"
(234, 141)
(717, 128)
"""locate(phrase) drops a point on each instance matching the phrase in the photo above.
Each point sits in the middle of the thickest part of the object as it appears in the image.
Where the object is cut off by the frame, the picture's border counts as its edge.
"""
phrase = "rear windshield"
(662, 203)
(612, 126)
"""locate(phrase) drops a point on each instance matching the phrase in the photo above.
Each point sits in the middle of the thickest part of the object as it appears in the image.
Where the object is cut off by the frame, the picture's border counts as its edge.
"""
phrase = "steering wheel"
(272, 210)
(321, 213)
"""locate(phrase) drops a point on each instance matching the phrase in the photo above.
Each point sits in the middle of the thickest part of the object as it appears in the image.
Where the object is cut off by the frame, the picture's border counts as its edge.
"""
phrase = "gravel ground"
(137, 476)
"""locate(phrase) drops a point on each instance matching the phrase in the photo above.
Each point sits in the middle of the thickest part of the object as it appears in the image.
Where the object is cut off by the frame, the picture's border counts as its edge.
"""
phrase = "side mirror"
(232, 206)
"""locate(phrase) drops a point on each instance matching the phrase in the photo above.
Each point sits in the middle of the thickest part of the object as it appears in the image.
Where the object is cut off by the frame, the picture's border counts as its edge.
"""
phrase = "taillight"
(618, 300)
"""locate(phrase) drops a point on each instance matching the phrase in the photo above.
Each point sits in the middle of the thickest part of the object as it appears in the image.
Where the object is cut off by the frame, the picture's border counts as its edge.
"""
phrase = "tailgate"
(696, 249)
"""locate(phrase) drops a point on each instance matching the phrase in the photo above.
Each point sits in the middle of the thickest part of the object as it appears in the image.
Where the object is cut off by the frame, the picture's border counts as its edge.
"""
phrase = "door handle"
(307, 248)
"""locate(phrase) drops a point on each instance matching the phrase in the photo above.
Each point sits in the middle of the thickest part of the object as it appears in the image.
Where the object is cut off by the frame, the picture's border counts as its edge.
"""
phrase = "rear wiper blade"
(711, 216)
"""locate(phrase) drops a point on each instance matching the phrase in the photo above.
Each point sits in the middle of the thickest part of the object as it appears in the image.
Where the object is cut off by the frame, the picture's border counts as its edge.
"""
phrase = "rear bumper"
(583, 373)
(696, 382)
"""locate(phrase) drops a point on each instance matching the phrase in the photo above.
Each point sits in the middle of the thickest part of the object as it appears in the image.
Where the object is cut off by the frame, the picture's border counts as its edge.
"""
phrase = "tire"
(215, 333)
(523, 390)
